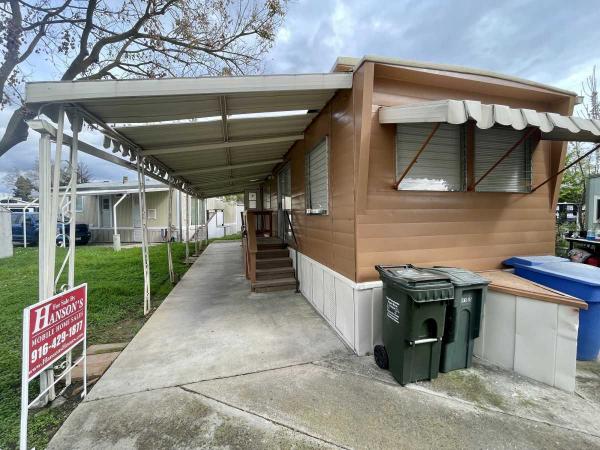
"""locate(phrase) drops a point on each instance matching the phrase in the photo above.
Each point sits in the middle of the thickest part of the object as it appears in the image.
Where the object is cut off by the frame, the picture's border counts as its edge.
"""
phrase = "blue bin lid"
(582, 273)
(529, 261)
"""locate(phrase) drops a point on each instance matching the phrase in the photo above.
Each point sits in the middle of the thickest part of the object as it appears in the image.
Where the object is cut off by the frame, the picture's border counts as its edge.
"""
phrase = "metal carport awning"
(209, 135)
(552, 126)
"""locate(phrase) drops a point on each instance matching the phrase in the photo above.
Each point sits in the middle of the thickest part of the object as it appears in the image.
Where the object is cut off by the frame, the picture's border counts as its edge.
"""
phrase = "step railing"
(288, 216)
(249, 244)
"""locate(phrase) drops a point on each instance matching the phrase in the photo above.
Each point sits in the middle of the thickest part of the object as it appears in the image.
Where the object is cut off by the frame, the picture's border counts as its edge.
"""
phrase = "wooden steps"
(274, 269)
(271, 263)
(278, 284)
(273, 253)
(275, 272)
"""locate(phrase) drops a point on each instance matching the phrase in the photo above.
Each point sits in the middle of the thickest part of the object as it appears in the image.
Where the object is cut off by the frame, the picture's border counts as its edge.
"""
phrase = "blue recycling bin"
(579, 280)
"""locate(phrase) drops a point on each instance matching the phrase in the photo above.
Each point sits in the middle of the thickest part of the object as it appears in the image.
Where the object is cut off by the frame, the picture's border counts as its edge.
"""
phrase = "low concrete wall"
(534, 338)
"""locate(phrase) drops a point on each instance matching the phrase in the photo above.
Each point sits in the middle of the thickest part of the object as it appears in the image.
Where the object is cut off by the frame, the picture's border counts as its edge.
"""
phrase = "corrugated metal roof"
(202, 152)
(552, 126)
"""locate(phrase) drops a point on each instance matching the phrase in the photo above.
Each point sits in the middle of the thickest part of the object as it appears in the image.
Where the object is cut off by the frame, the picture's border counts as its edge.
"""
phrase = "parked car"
(31, 230)
(82, 233)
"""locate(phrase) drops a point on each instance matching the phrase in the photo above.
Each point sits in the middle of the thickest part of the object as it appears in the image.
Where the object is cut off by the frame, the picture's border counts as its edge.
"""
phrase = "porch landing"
(217, 366)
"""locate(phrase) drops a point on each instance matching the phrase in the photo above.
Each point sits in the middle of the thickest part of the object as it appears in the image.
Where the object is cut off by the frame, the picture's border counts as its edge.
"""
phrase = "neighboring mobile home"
(96, 207)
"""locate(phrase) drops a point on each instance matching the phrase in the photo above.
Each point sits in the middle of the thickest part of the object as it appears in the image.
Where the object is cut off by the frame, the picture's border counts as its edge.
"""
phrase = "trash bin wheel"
(381, 357)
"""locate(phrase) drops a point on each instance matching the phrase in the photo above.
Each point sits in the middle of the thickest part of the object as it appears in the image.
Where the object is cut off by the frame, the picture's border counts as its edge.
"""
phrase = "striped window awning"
(553, 127)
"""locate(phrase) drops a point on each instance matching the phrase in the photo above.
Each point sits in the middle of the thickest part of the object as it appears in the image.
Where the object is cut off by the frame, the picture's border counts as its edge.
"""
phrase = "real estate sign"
(50, 329)
(54, 327)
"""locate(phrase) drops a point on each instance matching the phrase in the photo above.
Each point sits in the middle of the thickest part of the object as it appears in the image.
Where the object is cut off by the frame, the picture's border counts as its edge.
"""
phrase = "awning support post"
(504, 156)
(565, 168)
(170, 235)
(73, 160)
(143, 220)
(205, 221)
(45, 280)
(187, 228)
(414, 160)
(196, 247)
(49, 178)
(179, 217)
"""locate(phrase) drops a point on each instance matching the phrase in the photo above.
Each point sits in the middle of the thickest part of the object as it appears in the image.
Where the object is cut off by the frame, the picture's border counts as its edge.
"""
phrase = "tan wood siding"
(474, 230)
(328, 239)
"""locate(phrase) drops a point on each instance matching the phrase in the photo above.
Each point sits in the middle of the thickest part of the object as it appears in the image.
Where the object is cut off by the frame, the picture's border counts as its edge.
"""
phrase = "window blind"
(440, 166)
(317, 175)
(511, 175)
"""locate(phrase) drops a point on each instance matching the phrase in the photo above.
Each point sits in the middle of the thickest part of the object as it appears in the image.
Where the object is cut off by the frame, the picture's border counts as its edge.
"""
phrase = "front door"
(284, 201)
(105, 211)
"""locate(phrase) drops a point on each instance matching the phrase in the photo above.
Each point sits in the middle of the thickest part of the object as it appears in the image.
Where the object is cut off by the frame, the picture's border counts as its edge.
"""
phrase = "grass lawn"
(115, 314)
(229, 237)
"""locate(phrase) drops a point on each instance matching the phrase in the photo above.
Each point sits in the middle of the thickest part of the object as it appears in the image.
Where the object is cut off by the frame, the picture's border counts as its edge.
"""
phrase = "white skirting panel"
(534, 338)
(352, 309)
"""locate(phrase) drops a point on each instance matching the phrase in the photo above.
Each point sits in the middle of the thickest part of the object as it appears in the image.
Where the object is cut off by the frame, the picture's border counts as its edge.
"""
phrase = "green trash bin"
(414, 309)
(463, 318)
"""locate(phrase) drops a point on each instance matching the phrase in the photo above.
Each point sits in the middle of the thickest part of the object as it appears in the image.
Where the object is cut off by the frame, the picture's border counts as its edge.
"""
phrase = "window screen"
(511, 175)
(440, 166)
(317, 178)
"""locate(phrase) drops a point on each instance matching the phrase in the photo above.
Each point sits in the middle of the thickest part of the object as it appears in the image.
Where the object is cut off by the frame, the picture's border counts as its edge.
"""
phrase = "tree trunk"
(16, 130)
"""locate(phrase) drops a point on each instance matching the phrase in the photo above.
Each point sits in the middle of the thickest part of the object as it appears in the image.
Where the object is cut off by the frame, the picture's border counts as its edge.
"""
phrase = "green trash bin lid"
(462, 277)
(423, 285)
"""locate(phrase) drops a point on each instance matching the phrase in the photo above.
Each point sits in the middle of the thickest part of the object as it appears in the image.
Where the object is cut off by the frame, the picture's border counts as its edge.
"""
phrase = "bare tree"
(84, 174)
(573, 188)
(591, 106)
(98, 39)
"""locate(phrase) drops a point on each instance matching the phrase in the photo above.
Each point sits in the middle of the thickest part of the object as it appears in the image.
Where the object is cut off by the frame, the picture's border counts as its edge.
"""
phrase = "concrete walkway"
(219, 367)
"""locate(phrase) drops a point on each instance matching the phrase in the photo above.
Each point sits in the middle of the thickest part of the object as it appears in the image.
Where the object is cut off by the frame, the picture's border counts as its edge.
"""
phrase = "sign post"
(51, 329)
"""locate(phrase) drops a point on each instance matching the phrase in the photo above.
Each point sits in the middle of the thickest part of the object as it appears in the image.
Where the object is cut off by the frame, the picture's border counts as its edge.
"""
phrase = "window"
(251, 200)
(267, 196)
(440, 166)
(152, 214)
(317, 179)
(511, 175)
(597, 203)
(79, 203)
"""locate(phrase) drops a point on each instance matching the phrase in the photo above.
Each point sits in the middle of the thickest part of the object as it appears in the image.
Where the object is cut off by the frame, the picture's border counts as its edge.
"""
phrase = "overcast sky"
(554, 42)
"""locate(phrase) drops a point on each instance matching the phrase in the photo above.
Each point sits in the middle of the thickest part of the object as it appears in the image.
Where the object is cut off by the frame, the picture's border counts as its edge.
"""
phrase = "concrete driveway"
(219, 367)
